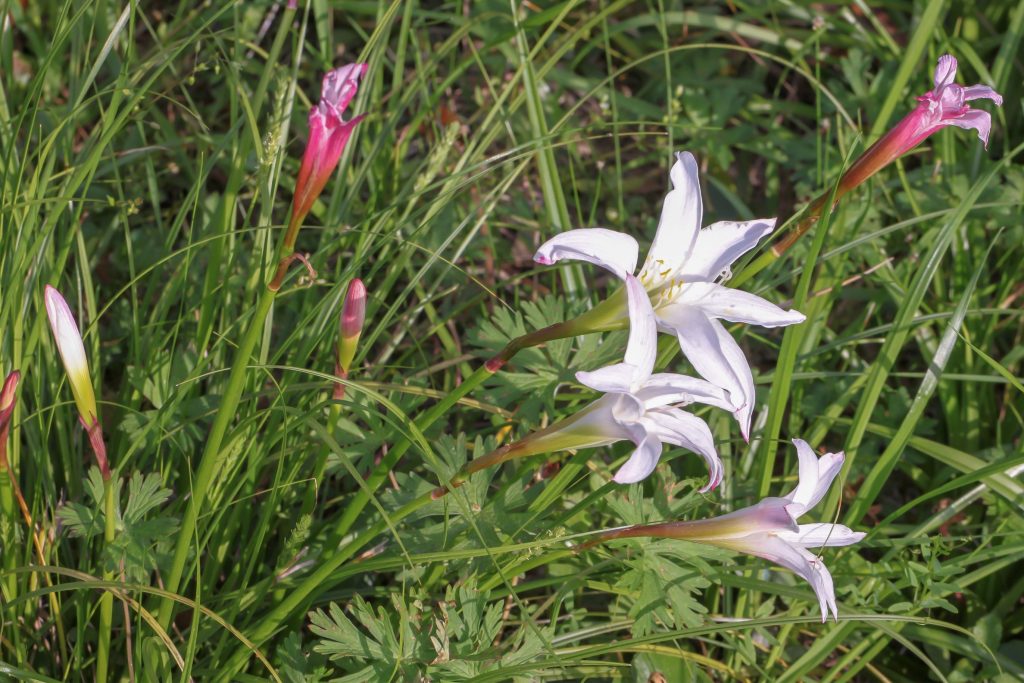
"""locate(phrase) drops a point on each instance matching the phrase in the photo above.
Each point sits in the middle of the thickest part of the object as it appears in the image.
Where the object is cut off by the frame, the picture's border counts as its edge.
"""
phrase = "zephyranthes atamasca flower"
(682, 276)
(769, 530)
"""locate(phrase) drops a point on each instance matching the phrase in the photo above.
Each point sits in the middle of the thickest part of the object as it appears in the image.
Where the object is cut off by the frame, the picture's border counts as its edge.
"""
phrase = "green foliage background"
(492, 126)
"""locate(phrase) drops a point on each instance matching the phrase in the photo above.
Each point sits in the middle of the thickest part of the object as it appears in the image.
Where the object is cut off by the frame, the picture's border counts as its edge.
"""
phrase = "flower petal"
(816, 475)
(945, 71)
(681, 215)
(680, 428)
(822, 534)
(642, 462)
(974, 118)
(719, 245)
(975, 92)
(715, 355)
(612, 378)
(802, 562)
(736, 306)
(641, 349)
(614, 251)
(665, 388)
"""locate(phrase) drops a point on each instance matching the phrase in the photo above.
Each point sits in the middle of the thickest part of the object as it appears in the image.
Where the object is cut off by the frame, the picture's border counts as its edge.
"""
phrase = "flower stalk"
(328, 136)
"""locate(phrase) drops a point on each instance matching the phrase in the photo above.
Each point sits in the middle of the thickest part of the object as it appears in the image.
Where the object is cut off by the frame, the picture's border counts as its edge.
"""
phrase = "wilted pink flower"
(945, 105)
(328, 134)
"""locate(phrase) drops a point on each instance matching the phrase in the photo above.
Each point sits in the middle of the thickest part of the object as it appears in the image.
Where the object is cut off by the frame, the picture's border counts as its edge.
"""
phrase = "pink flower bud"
(7, 395)
(328, 135)
(353, 313)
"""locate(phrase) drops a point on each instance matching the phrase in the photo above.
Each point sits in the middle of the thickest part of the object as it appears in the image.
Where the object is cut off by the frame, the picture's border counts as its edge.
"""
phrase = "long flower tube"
(769, 528)
(683, 276)
(942, 106)
(637, 405)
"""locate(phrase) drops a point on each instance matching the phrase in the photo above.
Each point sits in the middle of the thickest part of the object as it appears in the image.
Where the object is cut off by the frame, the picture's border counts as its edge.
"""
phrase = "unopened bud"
(7, 400)
(353, 313)
(72, 353)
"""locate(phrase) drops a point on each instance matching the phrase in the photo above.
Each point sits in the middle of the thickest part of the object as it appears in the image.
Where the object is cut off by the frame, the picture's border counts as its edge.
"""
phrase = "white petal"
(72, 353)
(715, 355)
(618, 377)
(614, 251)
(642, 347)
(735, 305)
(816, 475)
(642, 462)
(799, 560)
(681, 215)
(665, 388)
(719, 245)
(822, 534)
(680, 428)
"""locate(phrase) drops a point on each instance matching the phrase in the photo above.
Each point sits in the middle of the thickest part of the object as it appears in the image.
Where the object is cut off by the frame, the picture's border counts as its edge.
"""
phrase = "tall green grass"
(148, 153)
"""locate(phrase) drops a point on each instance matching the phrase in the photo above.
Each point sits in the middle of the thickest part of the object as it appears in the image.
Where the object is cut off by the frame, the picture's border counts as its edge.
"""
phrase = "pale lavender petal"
(641, 463)
(719, 245)
(715, 355)
(799, 560)
(680, 221)
(974, 92)
(736, 306)
(816, 475)
(945, 71)
(613, 251)
(680, 428)
(976, 119)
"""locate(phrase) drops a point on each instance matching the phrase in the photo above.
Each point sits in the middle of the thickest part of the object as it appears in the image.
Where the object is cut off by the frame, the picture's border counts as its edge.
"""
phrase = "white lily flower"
(769, 529)
(638, 405)
(682, 276)
(72, 353)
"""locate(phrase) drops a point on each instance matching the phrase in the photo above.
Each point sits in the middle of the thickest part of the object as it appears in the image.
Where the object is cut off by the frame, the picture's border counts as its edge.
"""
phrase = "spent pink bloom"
(769, 529)
(944, 105)
(328, 135)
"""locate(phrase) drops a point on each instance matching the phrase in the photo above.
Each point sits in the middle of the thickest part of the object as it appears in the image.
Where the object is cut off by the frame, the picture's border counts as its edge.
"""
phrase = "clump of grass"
(149, 156)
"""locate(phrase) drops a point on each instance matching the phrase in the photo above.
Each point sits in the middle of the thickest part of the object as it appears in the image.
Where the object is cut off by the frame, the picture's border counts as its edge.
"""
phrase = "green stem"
(210, 461)
(380, 473)
(9, 521)
(107, 599)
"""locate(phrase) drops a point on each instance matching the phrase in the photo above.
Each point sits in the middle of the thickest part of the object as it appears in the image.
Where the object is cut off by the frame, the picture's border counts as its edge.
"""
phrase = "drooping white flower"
(682, 275)
(638, 405)
(769, 529)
